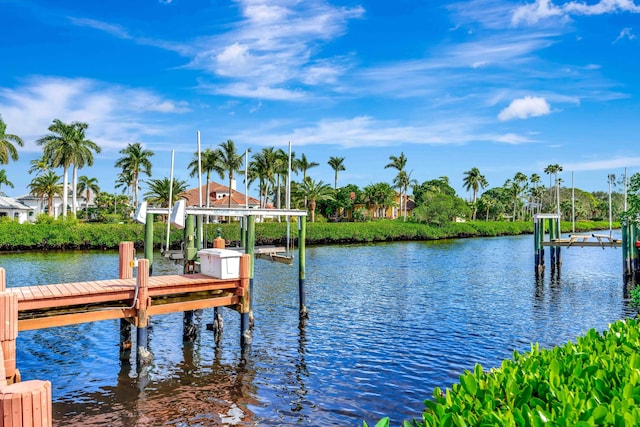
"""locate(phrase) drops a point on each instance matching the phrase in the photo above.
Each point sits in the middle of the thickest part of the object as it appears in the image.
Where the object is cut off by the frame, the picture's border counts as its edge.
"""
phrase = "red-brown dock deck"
(61, 304)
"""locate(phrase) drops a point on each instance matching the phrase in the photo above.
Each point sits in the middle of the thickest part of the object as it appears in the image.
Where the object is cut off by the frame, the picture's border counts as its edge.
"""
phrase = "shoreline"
(86, 236)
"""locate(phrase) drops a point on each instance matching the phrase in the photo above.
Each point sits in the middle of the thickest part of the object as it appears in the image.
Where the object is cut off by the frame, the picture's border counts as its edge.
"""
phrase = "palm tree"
(89, 185)
(230, 162)
(398, 163)
(47, 187)
(337, 164)
(135, 160)
(554, 170)
(403, 180)
(379, 196)
(474, 180)
(313, 192)
(39, 165)
(67, 145)
(159, 190)
(124, 180)
(263, 166)
(7, 149)
(4, 180)
(209, 162)
(303, 165)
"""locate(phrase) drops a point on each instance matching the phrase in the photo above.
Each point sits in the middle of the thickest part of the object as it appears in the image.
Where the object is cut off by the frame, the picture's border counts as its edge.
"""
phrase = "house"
(39, 204)
(14, 209)
(219, 196)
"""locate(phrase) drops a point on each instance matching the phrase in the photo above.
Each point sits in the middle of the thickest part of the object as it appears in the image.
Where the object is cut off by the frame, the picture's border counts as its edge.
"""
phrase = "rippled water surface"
(387, 323)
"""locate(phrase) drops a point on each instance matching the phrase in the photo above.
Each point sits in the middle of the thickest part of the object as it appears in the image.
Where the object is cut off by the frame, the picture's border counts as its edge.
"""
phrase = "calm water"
(387, 324)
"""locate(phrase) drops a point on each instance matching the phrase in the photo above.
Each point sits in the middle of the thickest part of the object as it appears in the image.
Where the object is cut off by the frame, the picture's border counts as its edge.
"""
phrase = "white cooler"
(220, 263)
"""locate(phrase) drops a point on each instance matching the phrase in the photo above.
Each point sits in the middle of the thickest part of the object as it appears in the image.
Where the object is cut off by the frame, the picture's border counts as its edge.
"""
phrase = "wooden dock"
(585, 240)
(71, 303)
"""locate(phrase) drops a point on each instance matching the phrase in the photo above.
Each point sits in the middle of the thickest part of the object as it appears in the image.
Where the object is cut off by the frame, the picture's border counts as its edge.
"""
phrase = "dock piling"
(302, 235)
(143, 356)
(125, 271)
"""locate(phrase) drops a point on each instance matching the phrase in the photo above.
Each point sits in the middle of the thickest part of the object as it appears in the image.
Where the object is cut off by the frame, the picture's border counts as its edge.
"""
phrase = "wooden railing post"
(245, 299)
(8, 328)
(21, 403)
(142, 318)
(125, 271)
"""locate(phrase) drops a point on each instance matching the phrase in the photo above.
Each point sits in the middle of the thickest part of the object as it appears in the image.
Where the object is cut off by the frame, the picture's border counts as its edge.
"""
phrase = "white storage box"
(220, 263)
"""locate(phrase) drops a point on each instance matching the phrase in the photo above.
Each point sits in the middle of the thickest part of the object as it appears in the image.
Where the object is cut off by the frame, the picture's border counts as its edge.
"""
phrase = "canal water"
(387, 323)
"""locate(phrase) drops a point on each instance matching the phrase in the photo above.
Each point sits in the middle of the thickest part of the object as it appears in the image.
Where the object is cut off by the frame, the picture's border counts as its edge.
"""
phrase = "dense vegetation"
(595, 381)
(72, 234)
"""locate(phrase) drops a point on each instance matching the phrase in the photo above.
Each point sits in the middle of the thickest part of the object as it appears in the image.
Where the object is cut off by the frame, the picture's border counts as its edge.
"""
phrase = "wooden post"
(302, 235)
(190, 255)
(148, 241)
(26, 403)
(250, 250)
(537, 245)
(8, 329)
(626, 250)
(198, 232)
(558, 248)
(552, 233)
(125, 271)
(245, 304)
(142, 318)
(243, 232)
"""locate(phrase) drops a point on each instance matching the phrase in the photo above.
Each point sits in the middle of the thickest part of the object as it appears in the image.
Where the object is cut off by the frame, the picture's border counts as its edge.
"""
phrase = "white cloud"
(540, 10)
(626, 33)
(513, 139)
(604, 164)
(116, 114)
(526, 107)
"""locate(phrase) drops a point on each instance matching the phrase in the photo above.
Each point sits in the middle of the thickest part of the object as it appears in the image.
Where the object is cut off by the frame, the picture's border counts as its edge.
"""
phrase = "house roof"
(10, 203)
(192, 196)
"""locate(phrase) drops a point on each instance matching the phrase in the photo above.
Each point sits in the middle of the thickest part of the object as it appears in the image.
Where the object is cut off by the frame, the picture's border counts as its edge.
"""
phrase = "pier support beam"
(143, 356)
(190, 255)
(302, 235)
(249, 249)
(125, 271)
(630, 259)
(148, 241)
(245, 304)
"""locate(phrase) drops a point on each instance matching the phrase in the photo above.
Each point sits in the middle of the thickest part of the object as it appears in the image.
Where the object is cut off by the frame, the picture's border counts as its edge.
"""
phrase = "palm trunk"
(65, 191)
(74, 197)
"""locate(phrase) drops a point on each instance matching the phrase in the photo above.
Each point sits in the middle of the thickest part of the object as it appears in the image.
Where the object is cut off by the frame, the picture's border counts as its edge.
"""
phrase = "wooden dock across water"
(70, 303)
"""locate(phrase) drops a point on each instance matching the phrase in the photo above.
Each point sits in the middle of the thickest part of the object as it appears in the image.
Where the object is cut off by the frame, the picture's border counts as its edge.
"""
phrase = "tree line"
(434, 201)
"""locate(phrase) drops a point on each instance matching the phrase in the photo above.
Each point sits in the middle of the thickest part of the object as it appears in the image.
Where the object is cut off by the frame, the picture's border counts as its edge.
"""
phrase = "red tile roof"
(237, 198)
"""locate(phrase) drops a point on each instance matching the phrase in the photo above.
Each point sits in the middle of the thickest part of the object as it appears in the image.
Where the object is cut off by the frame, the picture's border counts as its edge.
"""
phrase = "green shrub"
(595, 381)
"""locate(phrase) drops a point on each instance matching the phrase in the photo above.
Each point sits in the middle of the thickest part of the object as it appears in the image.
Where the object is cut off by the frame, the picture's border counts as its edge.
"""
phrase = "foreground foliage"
(72, 234)
(595, 381)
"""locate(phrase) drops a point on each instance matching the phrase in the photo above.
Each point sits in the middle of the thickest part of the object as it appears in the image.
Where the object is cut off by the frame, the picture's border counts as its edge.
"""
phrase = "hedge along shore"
(72, 234)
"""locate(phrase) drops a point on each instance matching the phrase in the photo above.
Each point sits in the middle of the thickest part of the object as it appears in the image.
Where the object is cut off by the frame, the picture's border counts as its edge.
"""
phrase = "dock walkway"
(71, 303)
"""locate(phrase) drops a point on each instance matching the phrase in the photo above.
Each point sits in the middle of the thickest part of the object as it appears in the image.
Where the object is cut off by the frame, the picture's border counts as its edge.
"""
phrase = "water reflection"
(387, 323)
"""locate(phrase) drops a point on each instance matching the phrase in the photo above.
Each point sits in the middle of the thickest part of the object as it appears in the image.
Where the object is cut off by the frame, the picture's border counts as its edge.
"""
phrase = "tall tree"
(159, 190)
(7, 149)
(313, 192)
(399, 163)
(46, 187)
(209, 162)
(263, 166)
(39, 165)
(89, 186)
(474, 180)
(231, 162)
(135, 160)
(403, 180)
(65, 146)
(337, 164)
(303, 165)
(4, 180)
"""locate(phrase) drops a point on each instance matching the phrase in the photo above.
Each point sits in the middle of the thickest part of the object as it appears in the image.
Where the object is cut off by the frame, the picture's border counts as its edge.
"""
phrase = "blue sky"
(503, 86)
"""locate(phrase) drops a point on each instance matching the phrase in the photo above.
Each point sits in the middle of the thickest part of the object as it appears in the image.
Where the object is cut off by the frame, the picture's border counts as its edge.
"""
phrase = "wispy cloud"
(604, 164)
(626, 33)
(524, 108)
(275, 47)
(539, 10)
(117, 115)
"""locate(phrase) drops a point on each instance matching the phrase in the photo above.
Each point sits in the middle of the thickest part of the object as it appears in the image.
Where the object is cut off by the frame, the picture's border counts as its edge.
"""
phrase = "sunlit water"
(387, 323)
